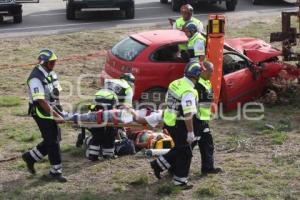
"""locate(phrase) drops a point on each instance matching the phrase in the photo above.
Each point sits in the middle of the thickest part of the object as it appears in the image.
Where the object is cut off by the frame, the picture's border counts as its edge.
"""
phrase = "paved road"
(48, 17)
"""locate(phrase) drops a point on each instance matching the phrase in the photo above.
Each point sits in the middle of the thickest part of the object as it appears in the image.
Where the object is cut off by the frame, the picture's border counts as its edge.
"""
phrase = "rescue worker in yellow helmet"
(196, 45)
(116, 92)
(186, 12)
(43, 88)
(202, 131)
(181, 102)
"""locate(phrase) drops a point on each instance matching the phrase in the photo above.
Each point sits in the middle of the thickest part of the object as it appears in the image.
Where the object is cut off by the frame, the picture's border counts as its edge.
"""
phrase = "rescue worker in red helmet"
(186, 12)
(42, 95)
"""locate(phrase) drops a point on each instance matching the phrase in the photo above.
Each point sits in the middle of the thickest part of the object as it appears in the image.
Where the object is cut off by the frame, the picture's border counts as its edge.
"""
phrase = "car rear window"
(128, 49)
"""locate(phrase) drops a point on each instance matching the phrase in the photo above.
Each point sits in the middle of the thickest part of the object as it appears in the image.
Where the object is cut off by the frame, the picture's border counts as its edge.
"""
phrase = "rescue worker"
(186, 12)
(201, 127)
(43, 91)
(116, 92)
(195, 45)
(181, 100)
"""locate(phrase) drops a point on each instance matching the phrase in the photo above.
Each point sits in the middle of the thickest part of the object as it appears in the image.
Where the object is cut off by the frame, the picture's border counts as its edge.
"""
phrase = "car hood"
(255, 49)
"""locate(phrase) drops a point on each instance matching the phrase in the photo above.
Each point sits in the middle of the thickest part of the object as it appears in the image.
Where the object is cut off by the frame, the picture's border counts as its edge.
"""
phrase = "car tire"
(256, 2)
(129, 12)
(164, 1)
(230, 5)
(154, 95)
(18, 18)
(70, 13)
(175, 5)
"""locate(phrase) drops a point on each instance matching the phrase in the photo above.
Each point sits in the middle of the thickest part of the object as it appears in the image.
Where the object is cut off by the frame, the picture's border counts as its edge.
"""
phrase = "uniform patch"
(36, 90)
(200, 46)
(188, 103)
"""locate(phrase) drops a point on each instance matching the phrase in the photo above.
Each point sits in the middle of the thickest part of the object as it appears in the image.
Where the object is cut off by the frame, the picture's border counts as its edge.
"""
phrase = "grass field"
(259, 163)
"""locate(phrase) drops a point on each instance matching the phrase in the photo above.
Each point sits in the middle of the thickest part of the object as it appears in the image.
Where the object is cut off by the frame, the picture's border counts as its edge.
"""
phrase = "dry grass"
(258, 163)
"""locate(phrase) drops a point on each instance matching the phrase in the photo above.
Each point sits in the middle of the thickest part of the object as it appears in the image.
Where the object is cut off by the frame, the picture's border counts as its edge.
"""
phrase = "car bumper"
(104, 5)
(10, 9)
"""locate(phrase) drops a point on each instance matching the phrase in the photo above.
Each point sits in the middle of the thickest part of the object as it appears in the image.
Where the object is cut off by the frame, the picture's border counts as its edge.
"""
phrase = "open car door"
(241, 83)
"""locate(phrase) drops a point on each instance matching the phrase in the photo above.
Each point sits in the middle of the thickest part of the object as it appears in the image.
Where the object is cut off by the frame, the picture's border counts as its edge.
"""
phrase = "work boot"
(55, 177)
(29, 163)
(214, 170)
(156, 169)
(107, 157)
(185, 186)
(93, 158)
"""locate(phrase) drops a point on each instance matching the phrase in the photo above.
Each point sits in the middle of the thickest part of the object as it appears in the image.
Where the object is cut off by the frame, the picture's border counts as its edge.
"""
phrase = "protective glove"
(190, 137)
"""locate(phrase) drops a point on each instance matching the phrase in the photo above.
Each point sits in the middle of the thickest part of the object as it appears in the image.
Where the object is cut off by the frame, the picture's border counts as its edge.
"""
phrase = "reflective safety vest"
(179, 23)
(114, 92)
(176, 90)
(49, 86)
(192, 42)
(206, 99)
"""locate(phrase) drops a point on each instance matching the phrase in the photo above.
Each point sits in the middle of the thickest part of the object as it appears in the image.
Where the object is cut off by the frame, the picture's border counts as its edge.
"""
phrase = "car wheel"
(175, 5)
(230, 5)
(256, 2)
(154, 97)
(164, 1)
(129, 12)
(18, 18)
(70, 13)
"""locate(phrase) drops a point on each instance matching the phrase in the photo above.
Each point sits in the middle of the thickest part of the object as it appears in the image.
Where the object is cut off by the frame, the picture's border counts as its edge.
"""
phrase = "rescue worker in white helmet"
(181, 102)
(116, 92)
(43, 90)
(196, 45)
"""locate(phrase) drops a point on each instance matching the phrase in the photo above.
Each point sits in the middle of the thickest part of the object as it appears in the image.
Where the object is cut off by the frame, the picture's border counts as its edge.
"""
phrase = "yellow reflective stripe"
(36, 96)
(107, 94)
(204, 114)
(189, 110)
(40, 115)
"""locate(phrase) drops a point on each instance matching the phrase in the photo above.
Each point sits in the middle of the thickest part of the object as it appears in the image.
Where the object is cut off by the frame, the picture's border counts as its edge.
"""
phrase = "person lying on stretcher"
(118, 117)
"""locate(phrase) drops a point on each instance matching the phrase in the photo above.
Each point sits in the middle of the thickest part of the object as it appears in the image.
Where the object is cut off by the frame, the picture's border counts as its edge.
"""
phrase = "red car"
(152, 57)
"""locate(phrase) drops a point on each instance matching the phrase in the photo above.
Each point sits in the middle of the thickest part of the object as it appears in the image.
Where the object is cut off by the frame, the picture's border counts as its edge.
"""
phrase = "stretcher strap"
(115, 117)
(100, 117)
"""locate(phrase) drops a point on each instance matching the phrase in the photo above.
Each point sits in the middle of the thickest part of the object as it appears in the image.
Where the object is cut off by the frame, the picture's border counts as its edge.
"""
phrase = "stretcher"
(106, 118)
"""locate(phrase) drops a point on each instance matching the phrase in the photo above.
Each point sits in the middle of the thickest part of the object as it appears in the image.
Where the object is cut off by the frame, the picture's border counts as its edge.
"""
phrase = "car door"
(241, 83)
(166, 63)
(163, 67)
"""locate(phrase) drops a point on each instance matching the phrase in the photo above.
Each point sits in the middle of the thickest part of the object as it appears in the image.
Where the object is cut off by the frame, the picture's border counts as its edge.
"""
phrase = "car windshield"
(128, 49)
